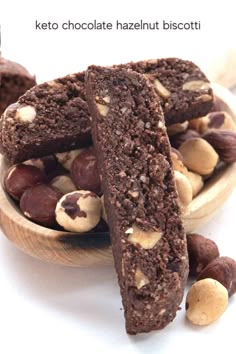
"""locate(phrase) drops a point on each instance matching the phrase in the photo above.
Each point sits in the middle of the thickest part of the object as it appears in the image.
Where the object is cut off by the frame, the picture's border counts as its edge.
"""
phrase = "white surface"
(46, 308)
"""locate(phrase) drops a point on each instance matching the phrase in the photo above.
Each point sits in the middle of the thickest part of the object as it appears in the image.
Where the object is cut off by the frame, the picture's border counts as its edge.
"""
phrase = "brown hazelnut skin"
(222, 269)
(84, 172)
(39, 202)
(20, 177)
(224, 142)
(180, 138)
(201, 252)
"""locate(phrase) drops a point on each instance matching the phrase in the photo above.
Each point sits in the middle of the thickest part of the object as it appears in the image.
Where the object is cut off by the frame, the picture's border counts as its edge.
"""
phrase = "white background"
(46, 308)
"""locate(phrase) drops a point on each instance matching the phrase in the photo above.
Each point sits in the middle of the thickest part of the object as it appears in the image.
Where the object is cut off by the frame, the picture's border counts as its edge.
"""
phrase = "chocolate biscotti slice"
(183, 88)
(144, 217)
(51, 117)
(14, 81)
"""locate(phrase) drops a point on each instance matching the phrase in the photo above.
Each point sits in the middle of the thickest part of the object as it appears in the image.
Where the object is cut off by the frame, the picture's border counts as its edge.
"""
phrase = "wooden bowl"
(86, 250)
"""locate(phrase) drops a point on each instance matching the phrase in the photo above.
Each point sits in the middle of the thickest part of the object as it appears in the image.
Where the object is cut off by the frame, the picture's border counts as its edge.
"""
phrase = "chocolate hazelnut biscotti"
(184, 90)
(144, 217)
(14, 81)
(51, 117)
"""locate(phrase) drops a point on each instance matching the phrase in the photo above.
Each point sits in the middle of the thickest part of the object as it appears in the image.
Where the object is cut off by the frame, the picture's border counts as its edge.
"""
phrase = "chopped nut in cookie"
(145, 239)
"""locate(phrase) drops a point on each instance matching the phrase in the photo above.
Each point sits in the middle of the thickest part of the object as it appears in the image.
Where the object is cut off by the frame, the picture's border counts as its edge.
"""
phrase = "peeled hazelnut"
(222, 269)
(177, 128)
(206, 301)
(104, 215)
(201, 252)
(140, 279)
(38, 203)
(161, 89)
(66, 158)
(179, 139)
(184, 189)
(199, 156)
(177, 160)
(84, 171)
(196, 181)
(145, 239)
(79, 211)
(21, 177)
(224, 142)
(199, 124)
(64, 184)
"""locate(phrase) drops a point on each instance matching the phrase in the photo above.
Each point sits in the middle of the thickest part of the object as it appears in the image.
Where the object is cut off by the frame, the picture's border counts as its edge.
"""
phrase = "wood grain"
(89, 250)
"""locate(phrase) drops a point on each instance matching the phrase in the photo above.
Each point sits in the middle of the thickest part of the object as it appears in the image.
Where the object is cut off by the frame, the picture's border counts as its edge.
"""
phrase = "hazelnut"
(199, 156)
(184, 189)
(20, 177)
(79, 211)
(199, 124)
(224, 142)
(206, 301)
(26, 114)
(196, 181)
(161, 89)
(177, 161)
(177, 128)
(201, 252)
(38, 203)
(64, 184)
(84, 171)
(222, 269)
(196, 85)
(145, 239)
(48, 164)
(102, 105)
(104, 214)
(220, 120)
(179, 139)
(66, 158)
(140, 279)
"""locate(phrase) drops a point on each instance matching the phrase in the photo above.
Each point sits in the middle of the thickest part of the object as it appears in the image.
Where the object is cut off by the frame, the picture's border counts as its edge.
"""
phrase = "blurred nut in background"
(206, 301)
(21, 177)
(104, 214)
(199, 156)
(38, 203)
(184, 189)
(66, 158)
(64, 184)
(224, 142)
(201, 252)
(222, 269)
(84, 172)
(177, 160)
(79, 211)
(220, 120)
(47, 164)
(196, 181)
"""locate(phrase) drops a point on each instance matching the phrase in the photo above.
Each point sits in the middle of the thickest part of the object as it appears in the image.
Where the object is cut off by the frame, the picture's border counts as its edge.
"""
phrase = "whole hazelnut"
(177, 160)
(196, 181)
(220, 120)
(79, 211)
(64, 184)
(199, 124)
(222, 269)
(84, 172)
(38, 203)
(20, 177)
(199, 156)
(66, 158)
(201, 252)
(224, 142)
(184, 189)
(179, 139)
(206, 301)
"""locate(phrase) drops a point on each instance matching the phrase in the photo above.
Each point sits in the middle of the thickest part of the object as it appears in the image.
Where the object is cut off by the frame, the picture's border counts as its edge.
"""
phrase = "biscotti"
(144, 217)
(51, 117)
(184, 90)
(14, 81)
